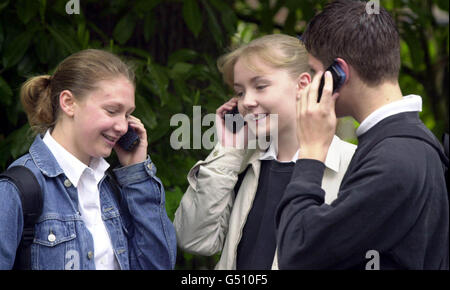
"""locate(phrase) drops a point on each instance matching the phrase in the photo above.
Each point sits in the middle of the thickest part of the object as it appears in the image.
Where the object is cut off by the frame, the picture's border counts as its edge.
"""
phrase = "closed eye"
(111, 112)
(239, 94)
(261, 87)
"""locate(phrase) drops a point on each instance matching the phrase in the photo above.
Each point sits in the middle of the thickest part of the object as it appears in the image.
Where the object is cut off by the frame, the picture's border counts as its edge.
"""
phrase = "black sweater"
(258, 243)
(393, 199)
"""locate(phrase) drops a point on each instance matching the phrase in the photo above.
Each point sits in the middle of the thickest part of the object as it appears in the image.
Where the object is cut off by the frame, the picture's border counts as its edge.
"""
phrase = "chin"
(103, 152)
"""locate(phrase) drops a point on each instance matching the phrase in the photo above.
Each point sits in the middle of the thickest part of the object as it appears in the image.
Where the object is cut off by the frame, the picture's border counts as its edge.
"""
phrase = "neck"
(373, 98)
(287, 145)
(59, 133)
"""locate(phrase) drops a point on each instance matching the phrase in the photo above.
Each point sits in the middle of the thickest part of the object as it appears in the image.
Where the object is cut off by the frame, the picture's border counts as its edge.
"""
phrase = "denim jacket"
(141, 234)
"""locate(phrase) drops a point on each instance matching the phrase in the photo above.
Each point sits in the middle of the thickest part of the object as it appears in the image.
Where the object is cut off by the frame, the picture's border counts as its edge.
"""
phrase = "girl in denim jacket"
(79, 113)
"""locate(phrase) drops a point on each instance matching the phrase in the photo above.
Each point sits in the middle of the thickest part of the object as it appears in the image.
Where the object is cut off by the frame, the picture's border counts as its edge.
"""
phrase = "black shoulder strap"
(31, 198)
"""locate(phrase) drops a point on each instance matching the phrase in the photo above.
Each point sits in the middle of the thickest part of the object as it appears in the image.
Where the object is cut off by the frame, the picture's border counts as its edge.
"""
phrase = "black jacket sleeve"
(378, 203)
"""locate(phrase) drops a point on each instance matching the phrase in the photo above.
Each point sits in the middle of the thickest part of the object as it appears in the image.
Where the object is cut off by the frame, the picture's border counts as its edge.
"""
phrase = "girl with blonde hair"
(233, 194)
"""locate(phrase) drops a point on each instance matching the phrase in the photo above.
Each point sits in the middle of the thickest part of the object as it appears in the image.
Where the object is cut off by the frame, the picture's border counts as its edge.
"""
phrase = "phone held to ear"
(130, 140)
(339, 77)
(235, 123)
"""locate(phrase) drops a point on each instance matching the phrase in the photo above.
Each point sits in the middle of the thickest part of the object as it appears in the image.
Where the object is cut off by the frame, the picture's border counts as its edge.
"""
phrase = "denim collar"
(44, 159)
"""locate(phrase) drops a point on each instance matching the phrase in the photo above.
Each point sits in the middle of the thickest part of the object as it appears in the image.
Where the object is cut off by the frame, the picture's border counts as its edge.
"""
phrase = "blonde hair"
(277, 50)
(78, 73)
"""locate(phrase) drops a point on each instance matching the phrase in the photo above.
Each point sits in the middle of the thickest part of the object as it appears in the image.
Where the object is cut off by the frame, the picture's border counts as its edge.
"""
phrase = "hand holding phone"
(130, 140)
(338, 75)
(237, 121)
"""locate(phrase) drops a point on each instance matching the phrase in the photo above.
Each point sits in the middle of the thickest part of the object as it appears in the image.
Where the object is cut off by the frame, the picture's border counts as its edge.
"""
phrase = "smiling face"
(263, 90)
(100, 118)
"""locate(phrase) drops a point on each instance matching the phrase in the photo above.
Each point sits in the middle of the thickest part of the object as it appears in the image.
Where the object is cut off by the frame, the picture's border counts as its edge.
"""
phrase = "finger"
(314, 90)
(221, 111)
(327, 92)
(134, 120)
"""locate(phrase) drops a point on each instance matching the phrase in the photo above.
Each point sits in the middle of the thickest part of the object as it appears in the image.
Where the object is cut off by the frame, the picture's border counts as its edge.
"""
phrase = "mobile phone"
(339, 77)
(130, 140)
(237, 121)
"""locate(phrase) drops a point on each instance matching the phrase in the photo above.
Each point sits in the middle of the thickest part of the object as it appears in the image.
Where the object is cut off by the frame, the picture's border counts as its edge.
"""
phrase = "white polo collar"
(72, 166)
(409, 103)
(332, 160)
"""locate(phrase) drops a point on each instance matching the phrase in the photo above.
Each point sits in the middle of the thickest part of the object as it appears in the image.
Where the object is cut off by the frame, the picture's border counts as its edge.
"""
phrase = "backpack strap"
(32, 202)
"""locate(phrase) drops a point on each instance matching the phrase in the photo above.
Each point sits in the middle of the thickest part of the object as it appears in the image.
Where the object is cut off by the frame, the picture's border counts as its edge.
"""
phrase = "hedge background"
(174, 46)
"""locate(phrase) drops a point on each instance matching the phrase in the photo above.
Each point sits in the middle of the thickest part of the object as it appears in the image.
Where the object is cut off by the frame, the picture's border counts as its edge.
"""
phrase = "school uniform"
(392, 201)
(212, 218)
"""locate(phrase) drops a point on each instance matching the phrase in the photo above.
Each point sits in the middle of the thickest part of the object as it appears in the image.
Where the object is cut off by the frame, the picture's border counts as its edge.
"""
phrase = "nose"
(121, 126)
(249, 102)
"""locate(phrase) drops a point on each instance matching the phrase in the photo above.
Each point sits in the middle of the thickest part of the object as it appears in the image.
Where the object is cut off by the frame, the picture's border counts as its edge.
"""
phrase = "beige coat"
(210, 217)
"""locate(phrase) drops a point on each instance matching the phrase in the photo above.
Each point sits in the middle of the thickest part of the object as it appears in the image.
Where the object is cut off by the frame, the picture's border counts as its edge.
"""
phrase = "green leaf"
(173, 198)
(145, 5)
(27, 9)
(159, 82)
(42, 8)
(192, 16)
(68, 44)
(228, 16)
(26, 66)
(182, 55)
(3, 4)
(83, 35)
(125, 28)
(15, 49)
(44, 47)
(5, 92)
(180, 70)
(213, 24)
(149, 26)
(2, 36)
(20, 141)
(144, 112)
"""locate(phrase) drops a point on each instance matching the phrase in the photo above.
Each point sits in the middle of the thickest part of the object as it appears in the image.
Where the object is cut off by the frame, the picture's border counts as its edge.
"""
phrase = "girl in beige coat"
(267, 75)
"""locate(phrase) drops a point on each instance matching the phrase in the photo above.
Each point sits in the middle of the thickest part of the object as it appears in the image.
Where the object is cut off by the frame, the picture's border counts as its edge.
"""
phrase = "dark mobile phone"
(338, 78)
(130, 140)
(237, 120)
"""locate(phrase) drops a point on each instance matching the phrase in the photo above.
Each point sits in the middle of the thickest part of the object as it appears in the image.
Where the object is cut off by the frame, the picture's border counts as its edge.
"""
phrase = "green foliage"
(173, 46)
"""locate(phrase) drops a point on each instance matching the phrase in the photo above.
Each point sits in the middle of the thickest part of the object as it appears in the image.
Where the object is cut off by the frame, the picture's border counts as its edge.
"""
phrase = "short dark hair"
(368, 42)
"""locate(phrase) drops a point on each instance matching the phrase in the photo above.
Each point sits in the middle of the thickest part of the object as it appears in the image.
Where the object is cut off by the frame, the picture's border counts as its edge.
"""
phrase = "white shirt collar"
(332, 160)
(72, 166)
(409, 103)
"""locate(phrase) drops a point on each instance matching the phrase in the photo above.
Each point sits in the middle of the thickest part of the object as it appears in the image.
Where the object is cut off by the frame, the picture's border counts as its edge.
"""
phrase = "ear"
(302, 82)
(345, 67)
(67, 102)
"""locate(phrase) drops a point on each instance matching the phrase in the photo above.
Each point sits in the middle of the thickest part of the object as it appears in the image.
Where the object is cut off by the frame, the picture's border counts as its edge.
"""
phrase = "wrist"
(316, 152)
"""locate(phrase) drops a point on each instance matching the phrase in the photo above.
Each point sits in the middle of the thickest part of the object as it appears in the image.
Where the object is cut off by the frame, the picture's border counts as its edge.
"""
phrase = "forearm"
(153, 240)
(314, 235)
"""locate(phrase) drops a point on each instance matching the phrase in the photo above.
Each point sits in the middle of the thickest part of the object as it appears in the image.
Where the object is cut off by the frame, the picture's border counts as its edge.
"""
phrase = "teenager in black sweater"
(392, 209)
